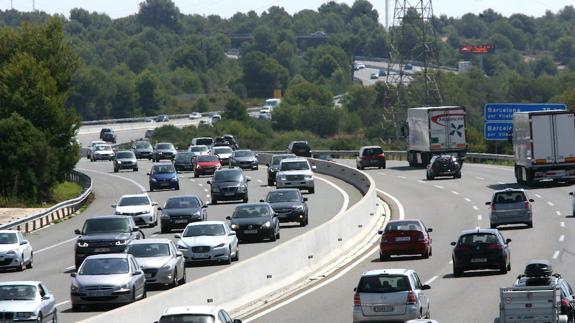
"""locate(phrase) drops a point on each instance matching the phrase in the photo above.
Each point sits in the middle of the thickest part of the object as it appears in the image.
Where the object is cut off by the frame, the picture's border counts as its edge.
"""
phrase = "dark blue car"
(163, 175)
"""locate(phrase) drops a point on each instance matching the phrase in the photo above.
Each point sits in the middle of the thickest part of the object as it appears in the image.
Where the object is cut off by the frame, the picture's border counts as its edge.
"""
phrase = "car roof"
(109, 255)
(109, 217)
(405, 221)
(9, 231)
(377, 272)
(299, 142)
(20, 282)
(183, 195)
(252, 204)
(370, 147)
(251, 151)
(284, 155)
(192, 224)
(293, 159)
(285, 190)
(162, 164)
(135, 195)
(164, 143)
(196, 309)
(235, 169)
(152, 240)
(509, 189)
(478, 230)
(125, 151)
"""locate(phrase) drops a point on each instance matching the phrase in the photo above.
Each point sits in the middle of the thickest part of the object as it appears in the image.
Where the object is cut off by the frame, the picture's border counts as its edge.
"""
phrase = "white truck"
(544, 146)
(532, 304)
(434, 131)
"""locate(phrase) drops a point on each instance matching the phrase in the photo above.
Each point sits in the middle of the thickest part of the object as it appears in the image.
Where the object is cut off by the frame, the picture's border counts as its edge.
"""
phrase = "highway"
(448, 206)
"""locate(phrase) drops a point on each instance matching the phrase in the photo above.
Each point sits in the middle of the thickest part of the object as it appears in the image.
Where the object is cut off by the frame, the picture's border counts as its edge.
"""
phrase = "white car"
(390, 295)
(195, 115)
(295, 173)
(15, 251)
(223, 152)
(138, 206)
(93, 144)
(208, 241)
(572, 202)
(212, 314)
(266, 109)
(199, 150)
(102, 152)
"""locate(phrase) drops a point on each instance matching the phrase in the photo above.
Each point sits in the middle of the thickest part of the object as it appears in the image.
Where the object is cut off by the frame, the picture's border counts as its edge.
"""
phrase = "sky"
(227, 8)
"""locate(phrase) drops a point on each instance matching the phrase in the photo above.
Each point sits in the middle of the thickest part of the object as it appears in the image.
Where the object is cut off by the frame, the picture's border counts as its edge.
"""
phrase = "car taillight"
(527, 205)
(496, 246)
(565, 302)
(420, 236)
(384, 239)
(356, 299)
(382, 155)
(411, 297)
(492, 207)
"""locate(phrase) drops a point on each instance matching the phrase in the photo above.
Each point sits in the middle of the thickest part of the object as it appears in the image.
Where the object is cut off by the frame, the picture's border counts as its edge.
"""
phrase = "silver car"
(296, 173)
(15, 251)
(28, 301)
(114, 278)
(510, 206)
(160, 260)
(390, 295)
(209, 241)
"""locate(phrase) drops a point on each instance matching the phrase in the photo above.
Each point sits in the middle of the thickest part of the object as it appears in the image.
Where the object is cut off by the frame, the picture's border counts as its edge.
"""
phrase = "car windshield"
(207, 159)
(299, 165)
(372, 151)
(285, 196)
(103, 147)
(204, 230)
(125, 154)
(187, 318)
(509, 197)
(244, 153)
(165, 146)
(143, 146)
(277, 159)
(222, 150)
(254, 211)
(94, 226)
(403, 226)
(383, 284)
(17, 293)
(227, 176)
(184, 202)
(198, 148)
(8, 238)
(134, 200)
(141, 250)
(163, 169)
(104, 266)
(300, 146)
(184, 156)
(477, 238)
(204, 141)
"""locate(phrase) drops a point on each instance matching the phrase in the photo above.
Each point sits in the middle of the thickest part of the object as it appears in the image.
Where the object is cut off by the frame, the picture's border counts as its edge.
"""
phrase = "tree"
(138, 60)
(157, 13)
(150, 93)
(201, 105)
(565, 49)
(262, 74)
(235, 110)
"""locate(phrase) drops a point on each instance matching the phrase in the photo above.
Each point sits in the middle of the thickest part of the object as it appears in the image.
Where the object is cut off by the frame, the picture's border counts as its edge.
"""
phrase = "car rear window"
(384, 284)
(300, 146)
(205, 141)
(509, 197)
(403, 226)
(476, 238)
(187, 318)
(372, 151)
(125, 154)
(165, 146)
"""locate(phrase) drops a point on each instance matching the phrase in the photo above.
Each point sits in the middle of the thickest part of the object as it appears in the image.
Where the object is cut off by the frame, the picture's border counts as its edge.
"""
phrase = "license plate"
(181, 221)
(250, 231)
(479, 260)
(402, 238)
(98, 293)
(148, 275)
(201, 256)
(102, 250)
(229, 193)
(383, 308)
(164, 183)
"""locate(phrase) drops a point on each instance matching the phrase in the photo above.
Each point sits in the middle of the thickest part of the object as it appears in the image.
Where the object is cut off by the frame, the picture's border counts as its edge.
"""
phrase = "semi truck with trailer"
(435, 131)
(544, 146)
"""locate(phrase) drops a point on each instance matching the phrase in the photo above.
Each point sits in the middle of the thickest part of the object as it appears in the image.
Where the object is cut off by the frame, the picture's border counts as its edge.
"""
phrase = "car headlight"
(282, 177)
(121, 242)
(174, 179)
(82, 244)
(166, 267)
(164, 216)
(198, 166)
(118, 161)
(197, 214)
(308, 177)
(221, 245)
(267, 224)
(234, 226)
(153, 179)
(26, 316)
(11, 253)
(124, 288)
(299, 207)
(182, 247)
(74, 288)
(215, 189)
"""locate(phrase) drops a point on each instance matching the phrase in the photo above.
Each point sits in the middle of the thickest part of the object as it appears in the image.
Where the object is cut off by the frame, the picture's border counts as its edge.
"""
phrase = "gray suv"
(229, 184)
(510, 206)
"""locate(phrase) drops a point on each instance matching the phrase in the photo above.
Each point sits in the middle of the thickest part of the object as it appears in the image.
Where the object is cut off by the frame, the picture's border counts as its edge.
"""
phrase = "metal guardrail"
(56, 212)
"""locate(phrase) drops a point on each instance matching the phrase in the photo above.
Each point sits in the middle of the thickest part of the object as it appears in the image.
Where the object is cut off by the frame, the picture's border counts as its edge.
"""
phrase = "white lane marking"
(396, 201)
(562, 238)
(260, 181)
(54, 246)
(479, 178)
(208, 195)
(140, 186)
(550, 203)
(201, 185)
(558, 213)
(192, 180)
(501, 183)
(475, 207)
(451, 262)
(477, 228)
(431, 280)
(467, 199)
(455, 192)
(62, 303)
(154, 235)
(479, 217)
(402, 177)
(421, 181)
(537, 196)
(562, 224)
(205, 189)
(556, 254)
(69, 268)
(439, 187)
(382, 174)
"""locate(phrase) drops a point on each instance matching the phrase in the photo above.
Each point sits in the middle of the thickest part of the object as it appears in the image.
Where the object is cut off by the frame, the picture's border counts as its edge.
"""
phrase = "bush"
(65, 191)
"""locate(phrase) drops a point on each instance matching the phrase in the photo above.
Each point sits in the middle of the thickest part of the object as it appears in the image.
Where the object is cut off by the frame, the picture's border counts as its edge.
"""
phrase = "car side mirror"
(46, 297)
(268, 165)
(137, 273)
(531, 200)
(248, 179)
(305, 199)
(487, 203)
(228, 218)
(355, 289)
(232, 233)
(23, 242)
(205, 206)
(148, 174)
(77, 231)
(425, 287)
(429, 230)
(453, 243)
(135, 229)
(209, 182)
(379, 231)
(178, 236)
(159, 208)
(154, 203)
(179, 254)
(570, 193)
(237, 321)
(507, 240)
(72, 274)
(262, 201)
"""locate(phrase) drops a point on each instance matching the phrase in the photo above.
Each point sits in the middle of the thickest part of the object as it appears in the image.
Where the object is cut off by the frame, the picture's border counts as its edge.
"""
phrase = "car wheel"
(503, 269)
(177, 187)
(40, 318)
(183, 280)
(31, 262)
(55, 316)
(383, 257)
(509, 267)
(530, 225)
(115, 170)
(214, 201)
(311, 191)
(196, 175)
(22, 265)
(175, 281)
(237, 255)
(166, 229)
(425, 255)
(493, 226)
(457, 271)
(257, 168)
(271, 183)
(273, 237)
(245, 200)
(151, 188)
(229, 260)
(145, 294)
(136, 169)
(76, 307)
(458, 175)
(278, 234)
(383, 166)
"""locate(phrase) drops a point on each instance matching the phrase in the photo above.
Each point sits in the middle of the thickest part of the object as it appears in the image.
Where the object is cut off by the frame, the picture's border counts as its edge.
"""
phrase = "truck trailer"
(435, 131)
(544, 146)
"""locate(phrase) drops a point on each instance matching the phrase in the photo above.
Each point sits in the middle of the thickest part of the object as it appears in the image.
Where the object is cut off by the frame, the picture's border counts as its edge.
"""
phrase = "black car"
(164, 150)
(245, 159)
(255, 221)
(232, 140)
(162, 118)
(289, 205)
(540, 273)
(229, 184)
(125, 159)
(443, 165)
(143, 149)
(274, 166)
(183, 161)
(481, 249)
(103, 131)
(109, 136)
(181, 210)
(300, 148)
(105, 234)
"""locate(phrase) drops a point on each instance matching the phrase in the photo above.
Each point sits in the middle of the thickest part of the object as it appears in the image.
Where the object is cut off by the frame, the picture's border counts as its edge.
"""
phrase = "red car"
(405, 237)
(206, 165)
